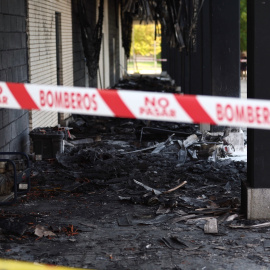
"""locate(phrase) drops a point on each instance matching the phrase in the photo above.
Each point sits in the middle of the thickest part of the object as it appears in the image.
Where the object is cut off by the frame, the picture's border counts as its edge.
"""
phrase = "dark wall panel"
(173, 63)
(14, 124)
(79, 62)
(214, 69)
(114, 42)
(225, 49)
(258, 87)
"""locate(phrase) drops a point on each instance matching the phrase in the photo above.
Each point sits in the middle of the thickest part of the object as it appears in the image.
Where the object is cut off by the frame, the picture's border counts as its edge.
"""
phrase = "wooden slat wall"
(42, 50)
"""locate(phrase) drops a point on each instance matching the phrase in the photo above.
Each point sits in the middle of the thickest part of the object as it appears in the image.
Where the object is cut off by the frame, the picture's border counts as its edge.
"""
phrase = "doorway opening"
(145, 53)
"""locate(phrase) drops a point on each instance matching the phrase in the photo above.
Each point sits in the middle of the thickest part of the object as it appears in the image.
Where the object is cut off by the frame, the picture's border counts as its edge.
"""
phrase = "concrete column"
(256, 192)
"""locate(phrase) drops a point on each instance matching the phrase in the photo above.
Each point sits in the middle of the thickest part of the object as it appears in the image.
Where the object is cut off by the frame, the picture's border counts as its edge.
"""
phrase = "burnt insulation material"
(91, 37)
(127, 22)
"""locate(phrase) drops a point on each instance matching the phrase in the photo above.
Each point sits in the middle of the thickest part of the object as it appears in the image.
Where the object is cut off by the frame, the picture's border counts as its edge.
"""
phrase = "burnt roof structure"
(179, 20)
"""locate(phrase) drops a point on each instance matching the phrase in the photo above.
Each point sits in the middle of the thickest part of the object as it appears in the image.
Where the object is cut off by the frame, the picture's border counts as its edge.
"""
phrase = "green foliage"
(144, 38)
(159, 55)
(243, 25)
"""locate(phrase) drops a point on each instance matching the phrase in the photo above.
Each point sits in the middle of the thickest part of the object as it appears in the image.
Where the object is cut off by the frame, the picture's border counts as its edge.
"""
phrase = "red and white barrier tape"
(137, 104)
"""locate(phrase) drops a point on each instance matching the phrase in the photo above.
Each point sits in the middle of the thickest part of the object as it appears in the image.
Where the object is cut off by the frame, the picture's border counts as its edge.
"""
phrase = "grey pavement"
(243, 85)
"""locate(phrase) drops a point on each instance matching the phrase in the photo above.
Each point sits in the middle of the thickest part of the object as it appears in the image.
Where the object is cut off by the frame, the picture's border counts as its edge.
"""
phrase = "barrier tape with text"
(225, 111)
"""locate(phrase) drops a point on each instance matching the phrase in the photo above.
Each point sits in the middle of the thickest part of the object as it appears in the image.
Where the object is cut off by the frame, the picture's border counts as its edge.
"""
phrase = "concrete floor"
(100, 242)
(102, 236)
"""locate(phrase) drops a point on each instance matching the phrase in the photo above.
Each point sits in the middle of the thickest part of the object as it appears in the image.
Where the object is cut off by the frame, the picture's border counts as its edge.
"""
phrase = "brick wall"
(42, 50)
(14, 126)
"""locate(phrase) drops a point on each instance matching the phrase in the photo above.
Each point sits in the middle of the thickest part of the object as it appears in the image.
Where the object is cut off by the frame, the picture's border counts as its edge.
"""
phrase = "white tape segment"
(137, 104)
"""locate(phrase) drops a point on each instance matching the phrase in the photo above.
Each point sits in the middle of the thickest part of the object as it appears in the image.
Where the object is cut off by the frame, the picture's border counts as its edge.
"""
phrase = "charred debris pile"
(150, 162)
(146, 83)
(142, 161)
(179, 173)
(111, 192)
(174, 169)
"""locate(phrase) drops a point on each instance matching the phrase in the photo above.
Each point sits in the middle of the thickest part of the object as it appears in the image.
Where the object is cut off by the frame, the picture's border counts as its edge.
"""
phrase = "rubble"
(211, 226)
(146, 83)
(40, 231)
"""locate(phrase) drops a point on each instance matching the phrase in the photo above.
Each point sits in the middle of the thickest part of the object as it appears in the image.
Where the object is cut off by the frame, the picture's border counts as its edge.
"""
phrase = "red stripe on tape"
(194, 109)
(22, 96)
(115, 103)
